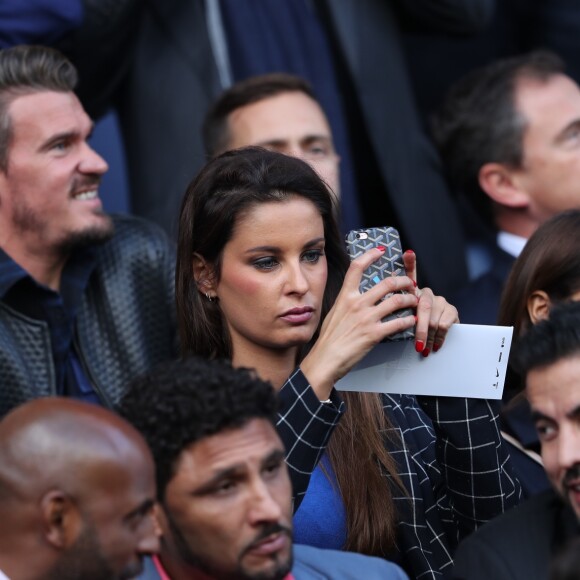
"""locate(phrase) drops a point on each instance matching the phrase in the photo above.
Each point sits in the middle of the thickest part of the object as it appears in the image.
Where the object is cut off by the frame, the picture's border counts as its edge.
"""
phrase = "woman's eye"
(265, 263)
(312, 256)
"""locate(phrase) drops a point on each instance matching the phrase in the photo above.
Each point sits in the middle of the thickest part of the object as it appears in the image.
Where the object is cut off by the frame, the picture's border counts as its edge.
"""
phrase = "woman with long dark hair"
(263, 279)
(546, 273)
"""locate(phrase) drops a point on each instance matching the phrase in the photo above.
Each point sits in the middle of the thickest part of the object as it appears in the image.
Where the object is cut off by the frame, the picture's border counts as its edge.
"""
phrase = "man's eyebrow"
(274, 249)
(226, 473)
(142, 509)
(276, 455)
(64, 136)
(539, 416)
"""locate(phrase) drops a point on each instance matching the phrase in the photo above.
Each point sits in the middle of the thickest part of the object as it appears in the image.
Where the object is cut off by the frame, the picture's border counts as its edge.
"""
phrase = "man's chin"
(97, 233)
(276, 569)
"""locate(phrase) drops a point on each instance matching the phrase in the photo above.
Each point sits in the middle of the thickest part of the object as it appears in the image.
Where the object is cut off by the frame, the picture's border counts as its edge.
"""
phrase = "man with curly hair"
(225, 508)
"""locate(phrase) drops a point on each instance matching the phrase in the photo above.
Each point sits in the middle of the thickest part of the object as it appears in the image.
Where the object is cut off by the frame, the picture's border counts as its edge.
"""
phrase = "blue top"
(321, 518)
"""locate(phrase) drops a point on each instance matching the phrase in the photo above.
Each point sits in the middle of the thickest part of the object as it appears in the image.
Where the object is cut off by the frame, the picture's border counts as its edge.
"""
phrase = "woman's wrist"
(320, 381)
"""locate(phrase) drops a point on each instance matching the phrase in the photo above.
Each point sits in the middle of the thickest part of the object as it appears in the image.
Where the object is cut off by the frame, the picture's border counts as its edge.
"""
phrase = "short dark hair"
(478, 122)
(550, 340)
(29, 69)
(215, 129)
(181, 402)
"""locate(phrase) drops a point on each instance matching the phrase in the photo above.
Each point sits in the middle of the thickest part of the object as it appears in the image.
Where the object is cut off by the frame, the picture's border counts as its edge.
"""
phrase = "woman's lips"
(298, 315)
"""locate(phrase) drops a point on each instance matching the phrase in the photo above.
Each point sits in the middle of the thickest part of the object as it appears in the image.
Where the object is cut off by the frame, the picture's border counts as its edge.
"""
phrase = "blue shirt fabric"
(265, 36)
(22, 293)
(321, 518)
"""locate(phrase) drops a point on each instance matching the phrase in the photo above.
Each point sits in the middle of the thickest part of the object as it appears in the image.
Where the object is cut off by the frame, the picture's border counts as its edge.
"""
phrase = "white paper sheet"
(471, 363)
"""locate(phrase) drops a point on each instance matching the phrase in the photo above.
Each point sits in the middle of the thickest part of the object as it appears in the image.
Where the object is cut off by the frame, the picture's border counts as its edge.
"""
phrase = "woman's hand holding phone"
(355, 324)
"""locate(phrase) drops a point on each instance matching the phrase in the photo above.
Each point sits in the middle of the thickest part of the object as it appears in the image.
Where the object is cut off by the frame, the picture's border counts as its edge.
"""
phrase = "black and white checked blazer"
(305, 425)
(456, 470)
(451, 457)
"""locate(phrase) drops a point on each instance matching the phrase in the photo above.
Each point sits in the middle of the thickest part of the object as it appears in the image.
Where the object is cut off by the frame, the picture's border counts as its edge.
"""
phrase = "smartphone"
(389, 264)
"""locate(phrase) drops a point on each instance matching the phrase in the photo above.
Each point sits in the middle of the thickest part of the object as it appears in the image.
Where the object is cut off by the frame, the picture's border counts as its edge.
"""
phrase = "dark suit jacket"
(173, 80)
(478, 301)
(520, 544)
(316, 564)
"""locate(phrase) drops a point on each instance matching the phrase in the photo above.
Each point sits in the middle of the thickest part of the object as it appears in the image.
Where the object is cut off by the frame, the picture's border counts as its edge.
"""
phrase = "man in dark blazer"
(508, 137)
(183, 55)
(225, 497)
(522, 543)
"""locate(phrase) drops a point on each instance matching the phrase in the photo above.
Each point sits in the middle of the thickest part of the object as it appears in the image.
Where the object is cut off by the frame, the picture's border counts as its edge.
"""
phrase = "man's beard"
(26, 219)
(90, 237)
(85, 560)
(194, 560)
(572, 474)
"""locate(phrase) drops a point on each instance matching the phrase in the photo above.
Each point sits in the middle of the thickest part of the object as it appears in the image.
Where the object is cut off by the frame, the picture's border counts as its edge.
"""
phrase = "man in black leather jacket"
(86, 300)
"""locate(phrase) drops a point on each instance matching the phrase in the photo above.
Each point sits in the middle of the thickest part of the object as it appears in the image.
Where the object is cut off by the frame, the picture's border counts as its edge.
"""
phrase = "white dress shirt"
(511, 243)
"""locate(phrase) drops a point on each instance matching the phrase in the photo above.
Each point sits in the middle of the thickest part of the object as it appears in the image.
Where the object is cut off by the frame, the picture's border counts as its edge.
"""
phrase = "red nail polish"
(381, 248)
(414, 283)
(426, 352)
(419, 346)
(436, 347)
(416, 320)
(409, 252)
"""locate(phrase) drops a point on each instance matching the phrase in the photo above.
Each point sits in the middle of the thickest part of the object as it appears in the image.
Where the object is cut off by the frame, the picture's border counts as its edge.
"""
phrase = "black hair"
(549, 340)
(182, 402)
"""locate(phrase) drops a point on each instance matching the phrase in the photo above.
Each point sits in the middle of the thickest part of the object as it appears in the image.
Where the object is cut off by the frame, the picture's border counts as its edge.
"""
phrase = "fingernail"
(426, 352)
(436, 347)
(414, 283)
(416, 320)
(381, 248)
(419, 345)
(409, 252)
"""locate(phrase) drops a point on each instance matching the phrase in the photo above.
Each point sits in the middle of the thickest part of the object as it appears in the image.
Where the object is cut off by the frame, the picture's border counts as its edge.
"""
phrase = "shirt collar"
(511, 243)
(78, 267)
(163, 574)
(10, 274)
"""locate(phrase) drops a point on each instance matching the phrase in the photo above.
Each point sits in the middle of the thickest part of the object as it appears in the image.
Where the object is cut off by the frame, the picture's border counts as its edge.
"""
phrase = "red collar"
(163, 574)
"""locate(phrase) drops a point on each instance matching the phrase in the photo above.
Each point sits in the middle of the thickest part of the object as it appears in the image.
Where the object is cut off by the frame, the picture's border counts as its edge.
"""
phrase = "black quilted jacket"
(125, 325)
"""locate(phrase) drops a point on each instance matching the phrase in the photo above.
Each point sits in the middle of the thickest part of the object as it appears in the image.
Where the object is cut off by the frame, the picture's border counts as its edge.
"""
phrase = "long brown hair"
(226, 187)
(550, 261)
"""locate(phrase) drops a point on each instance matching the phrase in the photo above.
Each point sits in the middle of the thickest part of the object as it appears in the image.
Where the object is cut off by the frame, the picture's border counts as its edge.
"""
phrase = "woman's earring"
(207, 295)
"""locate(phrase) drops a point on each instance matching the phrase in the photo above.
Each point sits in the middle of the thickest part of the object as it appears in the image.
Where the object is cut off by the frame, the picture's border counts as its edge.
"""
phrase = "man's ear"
(503, 185)
(62, 519)
(162, 522)
(204, 276)
(538, 306)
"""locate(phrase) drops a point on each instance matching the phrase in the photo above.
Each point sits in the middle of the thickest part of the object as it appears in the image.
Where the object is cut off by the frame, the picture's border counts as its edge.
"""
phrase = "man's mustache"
(573, 474)
(266, 531)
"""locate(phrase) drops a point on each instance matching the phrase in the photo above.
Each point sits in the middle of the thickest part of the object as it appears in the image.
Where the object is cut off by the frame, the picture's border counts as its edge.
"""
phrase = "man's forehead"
(254, 441)
(47, 112)
(556, 384)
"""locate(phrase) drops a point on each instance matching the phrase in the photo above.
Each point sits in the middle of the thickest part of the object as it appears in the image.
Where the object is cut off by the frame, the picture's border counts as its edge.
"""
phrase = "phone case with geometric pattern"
(389, 264)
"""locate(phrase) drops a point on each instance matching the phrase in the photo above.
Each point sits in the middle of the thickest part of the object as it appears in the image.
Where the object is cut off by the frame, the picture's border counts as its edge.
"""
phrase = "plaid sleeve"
(305, 425)
(474, 459)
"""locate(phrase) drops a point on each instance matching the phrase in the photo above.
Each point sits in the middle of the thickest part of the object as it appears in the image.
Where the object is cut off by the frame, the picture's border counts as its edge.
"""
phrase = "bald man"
(77, 492)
